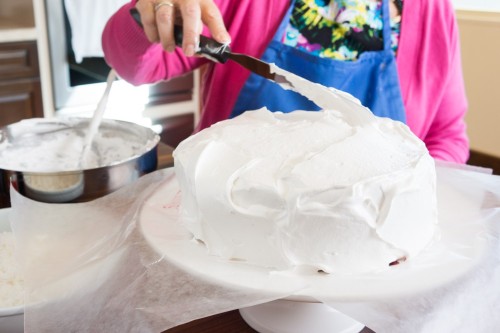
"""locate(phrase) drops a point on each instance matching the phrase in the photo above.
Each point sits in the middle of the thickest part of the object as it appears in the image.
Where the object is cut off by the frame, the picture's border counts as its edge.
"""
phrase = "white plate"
(436, 266)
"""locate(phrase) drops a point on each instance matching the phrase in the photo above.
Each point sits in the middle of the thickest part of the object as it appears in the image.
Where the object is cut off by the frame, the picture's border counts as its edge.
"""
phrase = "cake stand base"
(286, 316)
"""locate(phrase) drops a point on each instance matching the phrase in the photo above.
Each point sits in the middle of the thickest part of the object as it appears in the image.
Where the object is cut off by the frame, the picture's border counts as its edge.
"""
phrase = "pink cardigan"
(428, 61)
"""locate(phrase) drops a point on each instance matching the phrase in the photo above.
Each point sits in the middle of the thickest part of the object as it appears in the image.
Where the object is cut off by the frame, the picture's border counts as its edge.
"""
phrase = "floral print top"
(340, 29)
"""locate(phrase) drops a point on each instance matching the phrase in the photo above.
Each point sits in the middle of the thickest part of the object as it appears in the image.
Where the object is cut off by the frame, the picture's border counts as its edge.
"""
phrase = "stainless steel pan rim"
(83, 184)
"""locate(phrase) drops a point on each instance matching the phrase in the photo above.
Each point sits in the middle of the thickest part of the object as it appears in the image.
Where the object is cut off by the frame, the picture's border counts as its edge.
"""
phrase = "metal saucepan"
(30, 151)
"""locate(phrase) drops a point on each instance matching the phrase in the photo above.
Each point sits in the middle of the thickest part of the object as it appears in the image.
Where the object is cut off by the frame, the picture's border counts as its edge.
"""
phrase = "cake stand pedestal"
(287, 316)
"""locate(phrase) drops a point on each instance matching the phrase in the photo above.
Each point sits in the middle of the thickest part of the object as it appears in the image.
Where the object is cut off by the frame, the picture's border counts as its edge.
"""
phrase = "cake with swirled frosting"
(326, 190)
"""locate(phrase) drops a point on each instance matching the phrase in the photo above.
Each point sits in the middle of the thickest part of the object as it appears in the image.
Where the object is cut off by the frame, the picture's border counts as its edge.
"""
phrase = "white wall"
(479, 5)
(480, 41)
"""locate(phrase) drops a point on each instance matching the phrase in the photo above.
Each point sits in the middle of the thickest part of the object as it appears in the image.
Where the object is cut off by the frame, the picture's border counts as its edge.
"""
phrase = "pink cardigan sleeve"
(430, 70)
(134, 58)
(447, 139)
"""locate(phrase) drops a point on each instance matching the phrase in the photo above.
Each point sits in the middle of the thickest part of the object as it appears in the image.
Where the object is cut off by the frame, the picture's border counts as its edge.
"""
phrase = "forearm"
(447, 138)
(450, 145)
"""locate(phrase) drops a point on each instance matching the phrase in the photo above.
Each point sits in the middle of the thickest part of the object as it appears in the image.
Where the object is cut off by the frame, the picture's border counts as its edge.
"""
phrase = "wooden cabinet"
(176, 128)
(179, 89)
(20, 92)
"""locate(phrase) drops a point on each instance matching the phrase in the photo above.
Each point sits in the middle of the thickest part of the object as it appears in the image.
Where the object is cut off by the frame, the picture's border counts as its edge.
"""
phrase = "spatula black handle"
(208, 47)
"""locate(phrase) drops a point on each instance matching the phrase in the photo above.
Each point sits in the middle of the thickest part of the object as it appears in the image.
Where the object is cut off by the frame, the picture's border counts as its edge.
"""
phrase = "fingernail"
(170, 48)
(226, 39)
(189, 50)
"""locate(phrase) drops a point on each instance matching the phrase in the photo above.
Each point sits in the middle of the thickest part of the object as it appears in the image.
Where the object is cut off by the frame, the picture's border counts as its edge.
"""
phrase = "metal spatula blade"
(219, 52)
(257, 66)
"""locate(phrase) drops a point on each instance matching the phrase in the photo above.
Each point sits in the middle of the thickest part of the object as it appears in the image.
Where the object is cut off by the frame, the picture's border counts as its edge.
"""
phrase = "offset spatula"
(218, 52)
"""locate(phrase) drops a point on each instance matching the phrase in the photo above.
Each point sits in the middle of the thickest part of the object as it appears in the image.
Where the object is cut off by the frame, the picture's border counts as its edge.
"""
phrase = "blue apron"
(373, 78)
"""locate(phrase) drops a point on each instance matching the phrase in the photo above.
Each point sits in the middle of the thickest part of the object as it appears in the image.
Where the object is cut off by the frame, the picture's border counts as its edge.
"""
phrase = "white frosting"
(308, 188)
(45, 145)
(339, 190)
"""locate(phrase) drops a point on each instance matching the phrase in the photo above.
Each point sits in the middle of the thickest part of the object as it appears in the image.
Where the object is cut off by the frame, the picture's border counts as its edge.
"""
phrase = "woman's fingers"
(148, 19)
(195, 13)
(191, 25)
(212, 17)
(165, 17)
(158, 17)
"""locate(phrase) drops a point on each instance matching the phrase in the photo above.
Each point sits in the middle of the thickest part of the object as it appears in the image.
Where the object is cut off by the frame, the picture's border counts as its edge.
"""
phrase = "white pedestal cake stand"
(290, 316)
(300, 312)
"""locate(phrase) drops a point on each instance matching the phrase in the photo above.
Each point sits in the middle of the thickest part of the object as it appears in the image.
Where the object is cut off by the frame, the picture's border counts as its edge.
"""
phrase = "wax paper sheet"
(89, 268)
(469, 303)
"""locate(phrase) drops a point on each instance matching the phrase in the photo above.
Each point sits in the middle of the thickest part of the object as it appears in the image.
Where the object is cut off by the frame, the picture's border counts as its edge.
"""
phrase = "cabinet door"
(178, 89)
(19, 99)
(18, 60)
(20, 93)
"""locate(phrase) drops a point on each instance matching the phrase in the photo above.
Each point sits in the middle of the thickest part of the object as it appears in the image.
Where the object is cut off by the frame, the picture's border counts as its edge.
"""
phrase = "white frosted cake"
(336, 191)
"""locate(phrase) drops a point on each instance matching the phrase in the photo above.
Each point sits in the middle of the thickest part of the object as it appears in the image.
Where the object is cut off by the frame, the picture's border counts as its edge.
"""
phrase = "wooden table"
(228, 322)
(165, 158)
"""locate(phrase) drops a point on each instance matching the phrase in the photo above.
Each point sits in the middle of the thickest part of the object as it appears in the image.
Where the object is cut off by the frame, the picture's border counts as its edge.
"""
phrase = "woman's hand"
(158, 18)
